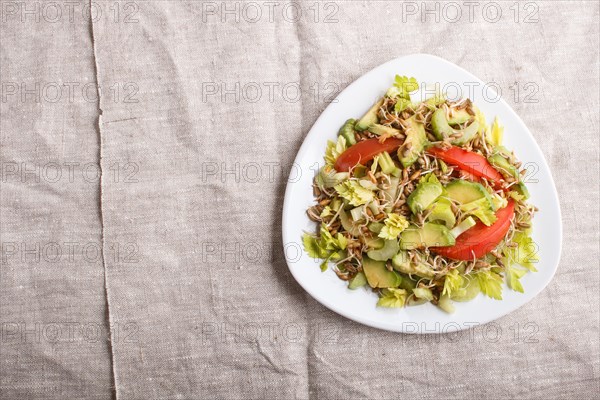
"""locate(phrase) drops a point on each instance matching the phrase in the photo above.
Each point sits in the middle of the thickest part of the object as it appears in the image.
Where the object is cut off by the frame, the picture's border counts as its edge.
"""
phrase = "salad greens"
(421, 202)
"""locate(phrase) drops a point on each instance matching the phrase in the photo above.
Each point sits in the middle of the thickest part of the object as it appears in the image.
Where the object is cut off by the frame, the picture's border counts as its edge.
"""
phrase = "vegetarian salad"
(420, 202)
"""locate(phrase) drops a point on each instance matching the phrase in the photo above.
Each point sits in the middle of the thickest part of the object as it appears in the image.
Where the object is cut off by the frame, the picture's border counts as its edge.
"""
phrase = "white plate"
(359, 305)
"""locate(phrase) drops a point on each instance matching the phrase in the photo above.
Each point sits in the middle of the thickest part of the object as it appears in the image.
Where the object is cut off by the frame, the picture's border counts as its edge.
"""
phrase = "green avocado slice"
(465, 192)
(423, 196)
(383, 130)
(378, 276)
(359, 280)
(369, 118)
(347, 131)
(389, 249)
(401, 263)
(442, 212)
(441, 125)
(415, 142)
(428, 236)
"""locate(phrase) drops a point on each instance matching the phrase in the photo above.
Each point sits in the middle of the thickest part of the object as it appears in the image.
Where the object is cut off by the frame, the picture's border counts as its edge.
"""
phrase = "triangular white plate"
(359, 305)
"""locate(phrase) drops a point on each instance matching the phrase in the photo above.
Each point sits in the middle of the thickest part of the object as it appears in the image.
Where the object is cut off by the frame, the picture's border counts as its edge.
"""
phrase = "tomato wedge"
(468, 161)
(363, 152)
(480, 239)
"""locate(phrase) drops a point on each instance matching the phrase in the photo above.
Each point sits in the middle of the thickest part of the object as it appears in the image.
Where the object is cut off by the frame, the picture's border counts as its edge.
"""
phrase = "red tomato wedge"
(467, 161)
(363, 152)
(480, 239)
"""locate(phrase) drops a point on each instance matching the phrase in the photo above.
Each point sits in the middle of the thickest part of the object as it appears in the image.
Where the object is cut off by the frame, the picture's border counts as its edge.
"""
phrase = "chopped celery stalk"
(423, 293)
(386, 163)
(347, 224)
(357, 213)
(443, 166)
(359, 280)
(336, 204)
(374, 206)
(459, 229)
(391, 192)
(329, 177)
(367, 184)
(446, 304)
(415, 301)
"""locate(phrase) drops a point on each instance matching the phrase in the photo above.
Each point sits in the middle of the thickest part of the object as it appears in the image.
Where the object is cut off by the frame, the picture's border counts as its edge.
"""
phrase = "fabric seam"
(101, 201)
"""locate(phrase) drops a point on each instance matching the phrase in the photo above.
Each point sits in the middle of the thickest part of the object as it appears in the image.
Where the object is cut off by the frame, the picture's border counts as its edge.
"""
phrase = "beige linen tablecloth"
(165, 278)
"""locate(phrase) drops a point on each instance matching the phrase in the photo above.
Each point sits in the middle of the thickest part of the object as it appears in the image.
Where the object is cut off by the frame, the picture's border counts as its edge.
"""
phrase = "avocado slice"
(415, 142)
(423, 196)
(347, 131)
(442, 212)
(509, 170)
(465, 191)
(378, 276)
(401, 263)
(389, 249)
(504, 167)
(459, 117)
(359, 280)
(407, 283)
(522, 190)
(369, 118)
(383, 130)
(375, 243)
(441, 125)
(428, 236)
(376, 227)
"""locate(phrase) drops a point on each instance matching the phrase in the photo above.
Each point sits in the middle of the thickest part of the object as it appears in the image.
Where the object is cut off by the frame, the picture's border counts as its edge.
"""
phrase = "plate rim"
(400, 327)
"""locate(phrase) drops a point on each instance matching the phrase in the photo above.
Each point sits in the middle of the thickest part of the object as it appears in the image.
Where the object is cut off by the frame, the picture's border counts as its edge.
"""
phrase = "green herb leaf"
(453, 282)
(334, 149)
(401, 105)
(394, 225)
(481, 209)
(513, 275)
(525, 254)
(495, 134)
(392, 298)
(490, 284)
(405, 85)
(328, 177)
(479, 117)
(311, 245)
(354, 193)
